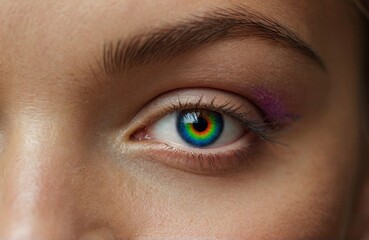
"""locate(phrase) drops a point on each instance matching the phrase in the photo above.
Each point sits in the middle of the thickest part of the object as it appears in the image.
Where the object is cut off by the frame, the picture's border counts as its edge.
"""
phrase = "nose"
(38, 184)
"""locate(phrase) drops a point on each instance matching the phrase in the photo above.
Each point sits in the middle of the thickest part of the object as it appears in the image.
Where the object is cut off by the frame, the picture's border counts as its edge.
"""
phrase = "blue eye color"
(199, 128)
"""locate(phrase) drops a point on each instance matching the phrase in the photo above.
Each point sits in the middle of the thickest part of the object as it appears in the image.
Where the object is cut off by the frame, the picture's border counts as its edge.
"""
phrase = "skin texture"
(69, 169)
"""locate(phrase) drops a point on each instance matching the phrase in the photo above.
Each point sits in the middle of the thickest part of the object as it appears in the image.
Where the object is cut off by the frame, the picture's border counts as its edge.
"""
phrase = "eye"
(202, 131)
(197, 128)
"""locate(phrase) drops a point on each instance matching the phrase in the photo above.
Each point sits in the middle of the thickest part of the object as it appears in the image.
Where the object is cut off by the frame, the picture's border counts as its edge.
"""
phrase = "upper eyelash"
(263, 129)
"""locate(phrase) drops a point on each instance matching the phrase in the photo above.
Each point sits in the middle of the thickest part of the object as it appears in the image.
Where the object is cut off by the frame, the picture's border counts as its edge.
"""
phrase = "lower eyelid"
(201, 161)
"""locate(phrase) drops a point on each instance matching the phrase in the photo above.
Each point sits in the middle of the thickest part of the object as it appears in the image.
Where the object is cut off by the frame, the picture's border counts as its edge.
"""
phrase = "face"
(178, 119)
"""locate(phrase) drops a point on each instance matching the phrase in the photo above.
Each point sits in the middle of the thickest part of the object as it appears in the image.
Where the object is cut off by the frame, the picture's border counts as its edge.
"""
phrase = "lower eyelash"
(206, 163)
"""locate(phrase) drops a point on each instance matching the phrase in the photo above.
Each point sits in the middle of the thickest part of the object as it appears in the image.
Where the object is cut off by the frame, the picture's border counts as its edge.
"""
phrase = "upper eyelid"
(232, 105)
(187, 96)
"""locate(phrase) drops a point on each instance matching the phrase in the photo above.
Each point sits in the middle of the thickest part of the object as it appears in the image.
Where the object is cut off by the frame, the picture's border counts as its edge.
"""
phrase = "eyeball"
(197, 128)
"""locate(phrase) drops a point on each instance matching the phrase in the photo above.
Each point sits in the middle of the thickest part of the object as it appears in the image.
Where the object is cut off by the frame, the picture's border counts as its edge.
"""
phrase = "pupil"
(201, 124)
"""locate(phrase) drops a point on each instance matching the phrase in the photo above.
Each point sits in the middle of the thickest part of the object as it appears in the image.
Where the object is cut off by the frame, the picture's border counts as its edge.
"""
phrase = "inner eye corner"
(139, 134)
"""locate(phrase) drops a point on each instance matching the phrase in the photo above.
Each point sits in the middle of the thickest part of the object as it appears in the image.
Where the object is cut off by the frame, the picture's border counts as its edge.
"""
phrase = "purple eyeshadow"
(272, 106)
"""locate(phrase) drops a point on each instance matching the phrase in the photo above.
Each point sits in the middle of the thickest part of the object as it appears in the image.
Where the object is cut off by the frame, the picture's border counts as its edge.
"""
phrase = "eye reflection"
(197, 128)
(200, 128)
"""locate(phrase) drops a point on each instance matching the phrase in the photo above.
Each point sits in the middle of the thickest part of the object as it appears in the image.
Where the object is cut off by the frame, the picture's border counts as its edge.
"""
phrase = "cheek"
(285, 204)
(300, 192)
(287, 207)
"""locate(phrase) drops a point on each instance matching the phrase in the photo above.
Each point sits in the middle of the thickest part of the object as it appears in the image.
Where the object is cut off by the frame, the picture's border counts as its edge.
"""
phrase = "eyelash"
(263, 129)
(206, 163)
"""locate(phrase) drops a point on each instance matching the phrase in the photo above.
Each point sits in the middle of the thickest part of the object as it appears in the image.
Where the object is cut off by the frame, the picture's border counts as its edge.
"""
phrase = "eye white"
(165, 129)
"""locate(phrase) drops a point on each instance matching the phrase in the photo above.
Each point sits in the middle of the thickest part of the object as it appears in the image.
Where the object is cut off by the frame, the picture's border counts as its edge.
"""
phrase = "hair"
(363, 6)
(363, 11)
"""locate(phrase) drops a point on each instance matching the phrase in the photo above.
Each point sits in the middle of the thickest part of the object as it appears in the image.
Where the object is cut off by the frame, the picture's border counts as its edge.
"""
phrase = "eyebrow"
(215, 25)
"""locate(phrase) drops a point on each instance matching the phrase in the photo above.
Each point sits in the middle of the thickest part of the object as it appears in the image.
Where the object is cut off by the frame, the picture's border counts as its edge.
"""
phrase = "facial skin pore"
(77, 160)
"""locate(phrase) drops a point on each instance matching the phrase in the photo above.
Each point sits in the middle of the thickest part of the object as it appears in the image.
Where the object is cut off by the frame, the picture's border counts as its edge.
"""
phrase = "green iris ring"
(213, 122)
(208, 132)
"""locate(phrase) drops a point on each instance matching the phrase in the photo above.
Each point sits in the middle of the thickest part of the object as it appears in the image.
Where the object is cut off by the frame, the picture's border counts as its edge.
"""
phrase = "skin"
(68, 169)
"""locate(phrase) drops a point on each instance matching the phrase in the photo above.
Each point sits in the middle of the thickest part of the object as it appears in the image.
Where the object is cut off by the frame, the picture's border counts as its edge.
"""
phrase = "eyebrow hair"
(218, 24)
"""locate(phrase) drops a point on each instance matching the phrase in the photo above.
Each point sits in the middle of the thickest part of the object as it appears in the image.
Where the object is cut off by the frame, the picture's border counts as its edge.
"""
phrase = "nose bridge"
(37, 184)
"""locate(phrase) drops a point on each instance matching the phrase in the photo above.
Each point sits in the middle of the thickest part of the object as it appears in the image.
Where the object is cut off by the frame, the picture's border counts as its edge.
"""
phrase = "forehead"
(44, 39)
(129, 16)
(58, 23)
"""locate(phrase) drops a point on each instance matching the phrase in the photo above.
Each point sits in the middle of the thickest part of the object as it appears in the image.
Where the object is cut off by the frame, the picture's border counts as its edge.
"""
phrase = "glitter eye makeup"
(272, 106)
(200, 128)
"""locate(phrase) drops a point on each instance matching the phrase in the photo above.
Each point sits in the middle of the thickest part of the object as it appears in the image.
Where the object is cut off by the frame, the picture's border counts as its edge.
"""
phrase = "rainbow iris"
(200, 128)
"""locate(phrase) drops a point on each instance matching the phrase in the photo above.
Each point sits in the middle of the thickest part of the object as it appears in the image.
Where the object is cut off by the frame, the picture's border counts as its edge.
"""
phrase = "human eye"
(202, 130)
(197, 128)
